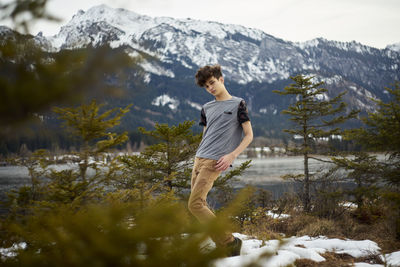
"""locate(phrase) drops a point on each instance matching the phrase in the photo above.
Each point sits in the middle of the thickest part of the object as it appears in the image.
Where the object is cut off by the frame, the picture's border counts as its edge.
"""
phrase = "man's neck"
(223, 96)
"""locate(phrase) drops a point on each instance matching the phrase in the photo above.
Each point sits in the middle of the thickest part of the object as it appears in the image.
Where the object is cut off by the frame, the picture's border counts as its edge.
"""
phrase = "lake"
(263, 172)
(266, 171)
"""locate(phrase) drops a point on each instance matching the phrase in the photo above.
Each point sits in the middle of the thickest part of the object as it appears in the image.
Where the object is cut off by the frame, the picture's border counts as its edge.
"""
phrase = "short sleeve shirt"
(224, 132)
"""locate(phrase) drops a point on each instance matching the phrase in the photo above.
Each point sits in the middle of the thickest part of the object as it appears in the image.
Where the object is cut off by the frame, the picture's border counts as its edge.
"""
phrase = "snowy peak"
(177, 47)
(345, 46)
(135, 25)
(247, 55)
(253, 62)
(394, 47)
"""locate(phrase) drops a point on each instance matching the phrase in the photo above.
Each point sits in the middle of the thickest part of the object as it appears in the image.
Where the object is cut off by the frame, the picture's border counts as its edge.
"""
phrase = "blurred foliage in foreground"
(24, 12)
(109, 210)
(33, 80)
(116, 233)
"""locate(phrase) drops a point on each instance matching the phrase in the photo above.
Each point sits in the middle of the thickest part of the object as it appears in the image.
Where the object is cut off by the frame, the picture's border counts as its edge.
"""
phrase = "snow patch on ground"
(287, 251)
(276, 215)
(392, 259)
(276, 253)
(11, 251)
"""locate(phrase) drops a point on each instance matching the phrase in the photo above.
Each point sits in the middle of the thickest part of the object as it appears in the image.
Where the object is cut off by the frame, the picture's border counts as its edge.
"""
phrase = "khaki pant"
(203, 176)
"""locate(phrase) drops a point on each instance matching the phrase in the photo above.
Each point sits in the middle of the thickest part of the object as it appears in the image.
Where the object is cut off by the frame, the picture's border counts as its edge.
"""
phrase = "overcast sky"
(371, 22)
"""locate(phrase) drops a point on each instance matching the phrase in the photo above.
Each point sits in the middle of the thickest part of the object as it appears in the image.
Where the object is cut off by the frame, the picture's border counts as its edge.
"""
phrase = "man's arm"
(225, 161)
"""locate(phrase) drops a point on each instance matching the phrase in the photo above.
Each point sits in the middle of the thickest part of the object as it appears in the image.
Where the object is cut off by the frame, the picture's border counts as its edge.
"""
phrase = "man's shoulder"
(237, 99)
(234, 99)
(209, 103)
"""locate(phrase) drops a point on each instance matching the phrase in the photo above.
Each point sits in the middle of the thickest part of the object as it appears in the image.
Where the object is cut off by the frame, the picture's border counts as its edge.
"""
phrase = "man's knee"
(195, 205)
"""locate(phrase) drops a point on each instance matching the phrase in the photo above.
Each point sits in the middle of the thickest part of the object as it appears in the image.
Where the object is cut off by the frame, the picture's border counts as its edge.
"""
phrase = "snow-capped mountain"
(253, 62)
(246, 54)
(394, 47)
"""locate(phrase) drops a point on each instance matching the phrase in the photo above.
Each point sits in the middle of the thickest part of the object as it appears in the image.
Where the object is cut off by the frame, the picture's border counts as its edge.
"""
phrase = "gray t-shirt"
(224, 132)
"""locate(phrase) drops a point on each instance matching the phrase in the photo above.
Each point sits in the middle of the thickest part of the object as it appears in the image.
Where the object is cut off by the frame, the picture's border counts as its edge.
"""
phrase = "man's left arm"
(225, 161)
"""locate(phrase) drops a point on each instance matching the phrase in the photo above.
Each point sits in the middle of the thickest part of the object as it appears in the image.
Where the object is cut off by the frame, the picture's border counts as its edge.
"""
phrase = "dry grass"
(301, 224)
(263, 227)
(348, 225)
(321, 227)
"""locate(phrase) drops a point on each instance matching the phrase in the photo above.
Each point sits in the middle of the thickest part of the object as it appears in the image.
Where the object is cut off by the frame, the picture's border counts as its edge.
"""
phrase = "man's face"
(214, 86)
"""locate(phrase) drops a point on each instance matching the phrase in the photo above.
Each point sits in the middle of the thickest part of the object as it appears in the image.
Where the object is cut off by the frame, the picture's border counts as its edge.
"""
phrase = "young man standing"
(225, 120)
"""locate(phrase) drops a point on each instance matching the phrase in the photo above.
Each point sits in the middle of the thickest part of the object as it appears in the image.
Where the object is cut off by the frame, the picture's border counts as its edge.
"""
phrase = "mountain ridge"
(253, 62)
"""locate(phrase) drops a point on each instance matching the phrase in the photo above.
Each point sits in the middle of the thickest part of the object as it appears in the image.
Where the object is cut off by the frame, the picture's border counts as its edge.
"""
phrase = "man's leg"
(203, 176)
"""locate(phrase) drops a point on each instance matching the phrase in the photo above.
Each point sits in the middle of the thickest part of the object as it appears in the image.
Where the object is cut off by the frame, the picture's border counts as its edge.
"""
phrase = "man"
(225, 120)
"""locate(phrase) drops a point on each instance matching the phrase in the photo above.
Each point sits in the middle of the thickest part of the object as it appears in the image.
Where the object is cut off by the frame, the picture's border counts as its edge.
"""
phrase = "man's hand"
(224, 162)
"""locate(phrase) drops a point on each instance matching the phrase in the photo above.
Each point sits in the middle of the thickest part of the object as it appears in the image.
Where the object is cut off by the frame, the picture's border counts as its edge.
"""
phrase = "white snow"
(194, 42)
(147, 78)
(155, 69)
(177, 39)
(332, 80)
(347, 46)
(354, 248)
(276, 253)
(322, 97)
(394, 47)
(277, 216)
(364, 264)
(194, 105)
(306, 44)
(165, 99)
(263, 110)
(392, 259)
(304, 247)
(11, 251)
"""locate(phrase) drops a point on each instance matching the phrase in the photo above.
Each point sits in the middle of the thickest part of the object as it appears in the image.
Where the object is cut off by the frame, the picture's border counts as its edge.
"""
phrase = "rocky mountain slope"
(254, 63)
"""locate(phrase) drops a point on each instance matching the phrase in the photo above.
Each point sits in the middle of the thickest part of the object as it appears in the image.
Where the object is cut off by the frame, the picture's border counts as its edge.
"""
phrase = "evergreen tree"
(382, 133)
(74, 186)
(314, 118)
(166, 166)
(173, 153)
(222, 187)
(364, 171)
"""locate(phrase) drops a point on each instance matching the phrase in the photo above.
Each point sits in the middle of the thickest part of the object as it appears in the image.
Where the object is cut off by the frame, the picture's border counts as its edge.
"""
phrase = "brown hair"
(206, 72)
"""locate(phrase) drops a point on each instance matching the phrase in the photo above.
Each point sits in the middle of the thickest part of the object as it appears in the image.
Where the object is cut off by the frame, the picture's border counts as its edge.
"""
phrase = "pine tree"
(314, 118)
(166, 166)
(74, 186)
(382, 133)
(364, 171)
(173, 153)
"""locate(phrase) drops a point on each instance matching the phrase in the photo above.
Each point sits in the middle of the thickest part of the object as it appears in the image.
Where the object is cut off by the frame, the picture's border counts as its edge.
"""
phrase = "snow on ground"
(277, 216)
(363, 264)
(285, 252)
(11, 251)
(304, 247)
(392, 259)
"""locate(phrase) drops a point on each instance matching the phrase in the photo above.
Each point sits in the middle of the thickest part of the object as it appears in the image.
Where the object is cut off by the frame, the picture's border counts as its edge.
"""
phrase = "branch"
(327, 161)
